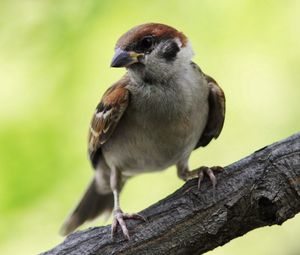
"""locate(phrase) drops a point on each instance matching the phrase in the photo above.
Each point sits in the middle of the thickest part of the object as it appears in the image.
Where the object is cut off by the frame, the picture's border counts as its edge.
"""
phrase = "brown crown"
(154, 29)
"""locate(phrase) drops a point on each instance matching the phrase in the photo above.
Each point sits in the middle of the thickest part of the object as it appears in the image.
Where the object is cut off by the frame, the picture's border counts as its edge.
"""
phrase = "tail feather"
(91, 205)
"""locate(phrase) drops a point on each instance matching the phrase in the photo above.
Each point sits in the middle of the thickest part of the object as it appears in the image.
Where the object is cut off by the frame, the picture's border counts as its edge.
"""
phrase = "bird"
(154, 117)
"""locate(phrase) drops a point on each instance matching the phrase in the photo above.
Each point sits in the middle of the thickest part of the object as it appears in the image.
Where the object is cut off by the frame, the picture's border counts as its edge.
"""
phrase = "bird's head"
(152, 52)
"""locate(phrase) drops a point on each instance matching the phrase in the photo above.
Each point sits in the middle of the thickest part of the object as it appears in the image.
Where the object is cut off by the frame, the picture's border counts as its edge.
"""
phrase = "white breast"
(161, 125)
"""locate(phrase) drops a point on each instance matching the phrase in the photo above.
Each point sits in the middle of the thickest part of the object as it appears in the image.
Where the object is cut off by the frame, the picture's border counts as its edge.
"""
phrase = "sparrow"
(154, 117)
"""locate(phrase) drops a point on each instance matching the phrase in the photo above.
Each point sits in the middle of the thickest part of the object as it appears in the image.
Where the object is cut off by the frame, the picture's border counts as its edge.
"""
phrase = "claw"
(209, 171)
(200, 178)
(119, 219)
(134, 216)
(114, 228)
(212, 177)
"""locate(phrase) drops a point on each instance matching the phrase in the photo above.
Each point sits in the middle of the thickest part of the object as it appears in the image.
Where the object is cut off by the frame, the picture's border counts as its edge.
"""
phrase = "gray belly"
(154, 139)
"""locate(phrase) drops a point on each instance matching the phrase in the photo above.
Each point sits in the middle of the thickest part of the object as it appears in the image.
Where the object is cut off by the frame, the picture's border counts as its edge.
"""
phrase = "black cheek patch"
(170, 51)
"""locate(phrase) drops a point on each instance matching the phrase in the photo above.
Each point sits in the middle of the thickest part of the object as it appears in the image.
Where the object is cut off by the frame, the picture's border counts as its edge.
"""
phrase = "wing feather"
(216, 115)
(106, 117)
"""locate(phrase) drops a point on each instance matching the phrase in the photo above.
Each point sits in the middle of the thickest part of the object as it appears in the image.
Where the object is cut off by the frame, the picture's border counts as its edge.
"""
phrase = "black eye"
(145, 43)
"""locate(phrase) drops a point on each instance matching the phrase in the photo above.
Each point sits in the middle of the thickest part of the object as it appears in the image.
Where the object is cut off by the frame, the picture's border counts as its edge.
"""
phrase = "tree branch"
(259, 190)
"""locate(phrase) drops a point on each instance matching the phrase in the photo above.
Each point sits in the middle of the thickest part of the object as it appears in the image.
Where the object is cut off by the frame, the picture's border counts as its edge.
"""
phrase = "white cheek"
(159, 68)
(186, 53)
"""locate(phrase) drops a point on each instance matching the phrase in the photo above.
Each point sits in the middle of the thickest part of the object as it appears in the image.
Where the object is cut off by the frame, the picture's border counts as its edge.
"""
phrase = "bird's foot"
(209, 171)
(119, 219)
(201, 172)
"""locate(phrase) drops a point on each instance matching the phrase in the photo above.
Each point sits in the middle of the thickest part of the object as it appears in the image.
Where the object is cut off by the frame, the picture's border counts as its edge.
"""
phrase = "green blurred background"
(54, 67)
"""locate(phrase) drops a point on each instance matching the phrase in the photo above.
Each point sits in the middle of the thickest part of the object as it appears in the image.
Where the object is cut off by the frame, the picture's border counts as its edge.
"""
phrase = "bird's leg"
(185, 174)
(118, 216)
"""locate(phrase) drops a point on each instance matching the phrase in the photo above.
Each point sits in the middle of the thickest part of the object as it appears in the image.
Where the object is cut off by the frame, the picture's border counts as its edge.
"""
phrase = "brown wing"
(216, 115)
(106, 117)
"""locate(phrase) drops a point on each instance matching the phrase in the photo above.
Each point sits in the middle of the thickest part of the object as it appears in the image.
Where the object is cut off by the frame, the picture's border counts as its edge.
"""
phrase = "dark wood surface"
(260, 190)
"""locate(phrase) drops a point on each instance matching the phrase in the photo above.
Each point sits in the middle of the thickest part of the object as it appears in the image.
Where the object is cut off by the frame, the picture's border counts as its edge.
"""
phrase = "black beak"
(124, 58)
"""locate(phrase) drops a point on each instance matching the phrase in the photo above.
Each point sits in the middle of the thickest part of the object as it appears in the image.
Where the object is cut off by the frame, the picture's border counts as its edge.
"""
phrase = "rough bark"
(260, 190)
